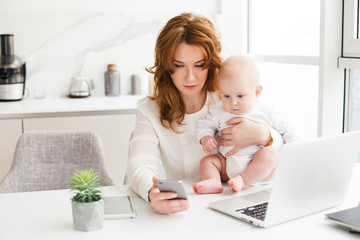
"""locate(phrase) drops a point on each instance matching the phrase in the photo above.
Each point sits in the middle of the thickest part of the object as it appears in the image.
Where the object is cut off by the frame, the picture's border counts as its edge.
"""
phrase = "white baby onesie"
(214, 122)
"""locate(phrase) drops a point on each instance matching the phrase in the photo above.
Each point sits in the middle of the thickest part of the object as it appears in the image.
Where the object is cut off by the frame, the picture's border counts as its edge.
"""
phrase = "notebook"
(349, 218)
(311, 176)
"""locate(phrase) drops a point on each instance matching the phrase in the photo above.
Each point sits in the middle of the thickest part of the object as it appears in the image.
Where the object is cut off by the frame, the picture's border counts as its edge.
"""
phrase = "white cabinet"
(10, 131)
(114, 130)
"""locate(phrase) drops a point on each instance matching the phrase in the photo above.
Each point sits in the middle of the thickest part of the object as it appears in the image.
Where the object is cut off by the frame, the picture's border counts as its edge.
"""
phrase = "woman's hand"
(163, 203)
(245, 133)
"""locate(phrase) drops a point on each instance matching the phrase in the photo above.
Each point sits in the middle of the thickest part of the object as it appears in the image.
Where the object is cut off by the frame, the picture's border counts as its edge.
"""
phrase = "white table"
(47, 215)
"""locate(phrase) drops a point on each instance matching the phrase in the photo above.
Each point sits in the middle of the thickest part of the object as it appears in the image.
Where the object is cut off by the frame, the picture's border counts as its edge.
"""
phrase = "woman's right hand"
(163, 203)
(243, 133)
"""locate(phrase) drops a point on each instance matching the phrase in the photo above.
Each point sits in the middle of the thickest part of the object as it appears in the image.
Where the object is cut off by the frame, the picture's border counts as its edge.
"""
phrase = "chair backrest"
(46, 160)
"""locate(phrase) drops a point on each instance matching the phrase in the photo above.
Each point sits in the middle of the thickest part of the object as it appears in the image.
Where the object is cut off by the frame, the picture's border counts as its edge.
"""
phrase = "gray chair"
(46, 160)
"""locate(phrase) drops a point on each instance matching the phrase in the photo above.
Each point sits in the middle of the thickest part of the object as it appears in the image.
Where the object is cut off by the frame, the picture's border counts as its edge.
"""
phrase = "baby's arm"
(207, 128)
(208, 143)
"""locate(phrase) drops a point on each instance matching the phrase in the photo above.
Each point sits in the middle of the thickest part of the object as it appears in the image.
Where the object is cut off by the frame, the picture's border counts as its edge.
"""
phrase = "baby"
(239, 91)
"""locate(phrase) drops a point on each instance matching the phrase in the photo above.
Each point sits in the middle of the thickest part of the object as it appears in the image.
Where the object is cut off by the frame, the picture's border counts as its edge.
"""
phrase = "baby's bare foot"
(208, 186)
(237, 183)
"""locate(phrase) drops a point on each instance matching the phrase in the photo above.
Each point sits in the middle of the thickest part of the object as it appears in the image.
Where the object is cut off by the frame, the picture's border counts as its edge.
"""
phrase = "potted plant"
(87, 202)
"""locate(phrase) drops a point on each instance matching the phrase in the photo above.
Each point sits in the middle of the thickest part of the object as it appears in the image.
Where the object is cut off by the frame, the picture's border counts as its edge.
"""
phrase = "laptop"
(311, 176)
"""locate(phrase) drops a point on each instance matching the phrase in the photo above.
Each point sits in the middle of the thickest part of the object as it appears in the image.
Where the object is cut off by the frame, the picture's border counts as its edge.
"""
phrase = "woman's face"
(189, 76)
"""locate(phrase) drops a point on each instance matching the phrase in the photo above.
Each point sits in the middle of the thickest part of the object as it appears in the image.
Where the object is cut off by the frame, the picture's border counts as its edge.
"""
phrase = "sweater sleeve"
(144, 154)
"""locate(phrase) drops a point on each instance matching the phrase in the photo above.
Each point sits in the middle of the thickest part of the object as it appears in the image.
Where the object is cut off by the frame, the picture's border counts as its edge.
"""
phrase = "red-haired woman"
(187, 62)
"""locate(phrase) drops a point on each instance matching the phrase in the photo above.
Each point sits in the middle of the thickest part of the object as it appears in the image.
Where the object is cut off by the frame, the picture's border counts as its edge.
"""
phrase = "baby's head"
(239, 84)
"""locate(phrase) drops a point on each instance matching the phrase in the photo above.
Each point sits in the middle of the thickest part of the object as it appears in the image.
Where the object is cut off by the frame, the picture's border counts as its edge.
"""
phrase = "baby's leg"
(212, 170)
(262, 167)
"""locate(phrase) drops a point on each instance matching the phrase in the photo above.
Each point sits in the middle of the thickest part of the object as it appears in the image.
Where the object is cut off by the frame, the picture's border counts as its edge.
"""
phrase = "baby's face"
(238, 95)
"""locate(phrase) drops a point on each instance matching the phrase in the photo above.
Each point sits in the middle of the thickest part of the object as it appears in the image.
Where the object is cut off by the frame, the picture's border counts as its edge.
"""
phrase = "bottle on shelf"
(112, 81)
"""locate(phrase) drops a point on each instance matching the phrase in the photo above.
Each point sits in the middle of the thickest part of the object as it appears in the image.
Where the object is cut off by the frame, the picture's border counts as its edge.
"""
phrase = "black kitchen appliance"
(12, 71)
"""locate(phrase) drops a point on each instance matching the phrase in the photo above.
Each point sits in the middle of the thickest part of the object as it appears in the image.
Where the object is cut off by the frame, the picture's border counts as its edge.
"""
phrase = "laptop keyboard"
(256, 211)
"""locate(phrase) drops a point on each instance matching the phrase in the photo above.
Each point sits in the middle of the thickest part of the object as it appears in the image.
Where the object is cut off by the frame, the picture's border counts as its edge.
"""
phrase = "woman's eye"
(199, 65)
(179, 65)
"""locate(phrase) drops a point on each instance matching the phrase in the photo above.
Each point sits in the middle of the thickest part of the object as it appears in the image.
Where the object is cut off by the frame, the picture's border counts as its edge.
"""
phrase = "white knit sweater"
(180, 153)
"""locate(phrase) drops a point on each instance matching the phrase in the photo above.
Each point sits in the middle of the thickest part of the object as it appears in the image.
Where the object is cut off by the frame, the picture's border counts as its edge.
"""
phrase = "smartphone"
(172, 186)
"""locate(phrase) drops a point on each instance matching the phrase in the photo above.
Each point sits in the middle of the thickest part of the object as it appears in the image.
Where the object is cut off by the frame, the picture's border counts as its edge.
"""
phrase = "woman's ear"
(258, 90)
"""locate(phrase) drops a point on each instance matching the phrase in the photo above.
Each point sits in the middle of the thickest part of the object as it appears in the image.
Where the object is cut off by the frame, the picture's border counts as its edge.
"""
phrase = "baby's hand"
(208, 143)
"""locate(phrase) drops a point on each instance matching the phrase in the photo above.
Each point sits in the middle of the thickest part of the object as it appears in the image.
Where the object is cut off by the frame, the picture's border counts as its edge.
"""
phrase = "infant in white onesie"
(239, 91)
(262, 113)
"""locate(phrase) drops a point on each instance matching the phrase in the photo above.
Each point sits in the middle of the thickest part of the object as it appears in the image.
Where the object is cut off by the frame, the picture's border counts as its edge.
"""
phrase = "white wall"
(64, 38)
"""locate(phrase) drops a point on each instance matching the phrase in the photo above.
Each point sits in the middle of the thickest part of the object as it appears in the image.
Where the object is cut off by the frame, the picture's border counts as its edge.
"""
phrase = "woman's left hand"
(244, 133)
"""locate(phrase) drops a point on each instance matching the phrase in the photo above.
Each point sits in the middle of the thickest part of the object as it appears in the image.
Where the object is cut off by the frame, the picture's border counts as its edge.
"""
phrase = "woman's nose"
(190, 74)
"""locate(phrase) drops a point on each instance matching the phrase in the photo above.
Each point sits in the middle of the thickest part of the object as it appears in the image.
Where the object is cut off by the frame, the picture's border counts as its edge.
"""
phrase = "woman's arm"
(143, 156)
(245, 133)
(142, 168)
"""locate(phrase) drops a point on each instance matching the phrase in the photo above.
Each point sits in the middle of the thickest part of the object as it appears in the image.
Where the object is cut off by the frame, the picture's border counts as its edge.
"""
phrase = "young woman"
(187, 61)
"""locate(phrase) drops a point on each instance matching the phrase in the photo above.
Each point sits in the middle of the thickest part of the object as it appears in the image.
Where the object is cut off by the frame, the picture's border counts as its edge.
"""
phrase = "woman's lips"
(189, 87)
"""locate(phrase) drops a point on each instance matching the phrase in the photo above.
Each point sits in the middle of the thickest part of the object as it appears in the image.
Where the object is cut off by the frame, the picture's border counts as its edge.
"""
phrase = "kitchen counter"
(113, 118)
(28, 108)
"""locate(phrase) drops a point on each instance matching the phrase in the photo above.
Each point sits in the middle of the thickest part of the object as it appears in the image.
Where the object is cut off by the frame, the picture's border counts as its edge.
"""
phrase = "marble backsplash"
(59, 45)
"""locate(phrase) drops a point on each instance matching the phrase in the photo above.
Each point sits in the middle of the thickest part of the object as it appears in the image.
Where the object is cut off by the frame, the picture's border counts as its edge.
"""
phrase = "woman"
(187, 60)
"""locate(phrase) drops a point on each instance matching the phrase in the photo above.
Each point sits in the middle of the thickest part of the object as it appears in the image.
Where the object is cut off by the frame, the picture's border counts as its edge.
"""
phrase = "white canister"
(139, 84)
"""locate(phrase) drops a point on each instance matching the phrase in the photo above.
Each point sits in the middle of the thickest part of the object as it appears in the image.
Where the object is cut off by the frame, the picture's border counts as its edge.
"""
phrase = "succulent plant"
(85, 185)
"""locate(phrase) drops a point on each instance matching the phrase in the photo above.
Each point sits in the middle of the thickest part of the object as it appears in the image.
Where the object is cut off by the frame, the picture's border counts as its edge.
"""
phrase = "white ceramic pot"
(81, 87)
(88, 216)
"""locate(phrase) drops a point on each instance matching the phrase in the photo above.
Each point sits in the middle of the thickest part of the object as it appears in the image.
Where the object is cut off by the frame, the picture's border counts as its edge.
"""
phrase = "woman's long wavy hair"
(191, 29)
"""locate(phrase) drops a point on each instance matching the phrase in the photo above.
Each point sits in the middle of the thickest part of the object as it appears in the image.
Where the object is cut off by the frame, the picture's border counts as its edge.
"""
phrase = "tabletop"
(47, 215)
